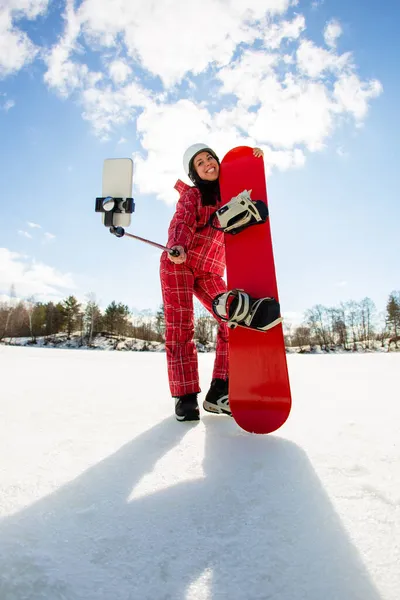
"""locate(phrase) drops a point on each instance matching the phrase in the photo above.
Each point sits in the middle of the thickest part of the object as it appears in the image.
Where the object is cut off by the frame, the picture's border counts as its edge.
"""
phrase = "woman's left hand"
(258, 152)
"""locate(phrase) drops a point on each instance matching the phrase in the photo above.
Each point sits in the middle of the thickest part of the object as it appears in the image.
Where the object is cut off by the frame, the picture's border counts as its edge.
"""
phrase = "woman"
(198, 270)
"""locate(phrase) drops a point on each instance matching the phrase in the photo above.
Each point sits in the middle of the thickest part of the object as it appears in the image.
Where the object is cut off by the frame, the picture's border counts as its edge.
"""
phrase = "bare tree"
(5, 316)
(302, 337)
(17, 321)
(91, 317)
(288, 332)
(30, 307)
(352, 312)
(205, 325)
(8, 313)
(317, 320)
(367, 314)
(339, 326)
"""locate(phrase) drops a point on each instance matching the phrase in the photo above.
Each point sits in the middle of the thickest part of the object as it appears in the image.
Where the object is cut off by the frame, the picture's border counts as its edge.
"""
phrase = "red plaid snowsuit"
(201, 275)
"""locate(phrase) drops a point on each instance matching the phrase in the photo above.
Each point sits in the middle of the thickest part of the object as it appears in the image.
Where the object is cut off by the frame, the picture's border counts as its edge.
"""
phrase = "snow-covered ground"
(104, 496)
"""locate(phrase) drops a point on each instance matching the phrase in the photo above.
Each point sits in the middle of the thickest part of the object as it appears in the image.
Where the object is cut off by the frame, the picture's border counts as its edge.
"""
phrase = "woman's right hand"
(177, 259)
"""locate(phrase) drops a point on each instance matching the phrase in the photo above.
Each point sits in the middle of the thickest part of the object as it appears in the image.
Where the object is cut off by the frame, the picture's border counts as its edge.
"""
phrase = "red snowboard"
(259, 390)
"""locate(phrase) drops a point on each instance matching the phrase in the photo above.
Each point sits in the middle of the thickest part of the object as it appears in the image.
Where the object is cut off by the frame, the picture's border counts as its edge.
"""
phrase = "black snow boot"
(187, 408)
(216, 400)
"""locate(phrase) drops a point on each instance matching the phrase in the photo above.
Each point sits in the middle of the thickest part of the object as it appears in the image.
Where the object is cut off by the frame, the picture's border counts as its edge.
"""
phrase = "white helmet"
(192, 151)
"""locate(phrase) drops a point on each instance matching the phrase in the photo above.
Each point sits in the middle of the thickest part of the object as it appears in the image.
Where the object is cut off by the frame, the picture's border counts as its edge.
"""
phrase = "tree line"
(28, 318)
(348, 325)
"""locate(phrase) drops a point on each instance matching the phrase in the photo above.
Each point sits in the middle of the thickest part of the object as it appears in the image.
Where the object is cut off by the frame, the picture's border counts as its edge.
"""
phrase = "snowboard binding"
(237, 308)
(240, 212)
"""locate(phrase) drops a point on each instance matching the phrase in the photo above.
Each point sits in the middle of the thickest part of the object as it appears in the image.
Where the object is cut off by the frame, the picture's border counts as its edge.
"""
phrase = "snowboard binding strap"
(240, 212)
(237, 308)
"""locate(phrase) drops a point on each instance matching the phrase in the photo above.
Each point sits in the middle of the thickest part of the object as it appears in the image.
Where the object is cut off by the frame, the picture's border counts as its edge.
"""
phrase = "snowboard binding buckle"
(240, 212)
(237, 308)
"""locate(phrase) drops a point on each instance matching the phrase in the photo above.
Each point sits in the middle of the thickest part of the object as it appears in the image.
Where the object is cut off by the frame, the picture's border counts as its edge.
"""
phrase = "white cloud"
(64, 74)
(332, 32)
(119, 71)
(24, 234)
(314, 61)
(8, 105)
(31, 277)
(107, 107)
(353, 95)
(16, 49)
(49, 236)
(170, 43)
(158, 127)
(244, 78)
(289, 112)
(33, 225)
(176, 79)
(26, 8)
(277, 32)
(283, 159)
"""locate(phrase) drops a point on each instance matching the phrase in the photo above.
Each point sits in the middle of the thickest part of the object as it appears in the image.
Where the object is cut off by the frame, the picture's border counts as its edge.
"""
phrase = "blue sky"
(315, 84)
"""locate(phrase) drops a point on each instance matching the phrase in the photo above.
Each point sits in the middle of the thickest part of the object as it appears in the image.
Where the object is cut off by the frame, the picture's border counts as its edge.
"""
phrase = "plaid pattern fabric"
(178, 284)
(203, 245)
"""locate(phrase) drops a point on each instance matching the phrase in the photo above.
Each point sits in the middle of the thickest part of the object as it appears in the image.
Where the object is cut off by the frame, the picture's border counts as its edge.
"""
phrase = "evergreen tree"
(393, 315)
(55, 318)
(38, 319)
(116, 318)
(71, 309)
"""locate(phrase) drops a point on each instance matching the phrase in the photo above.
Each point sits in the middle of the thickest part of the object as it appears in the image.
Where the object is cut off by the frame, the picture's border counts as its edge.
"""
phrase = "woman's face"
(206, 166)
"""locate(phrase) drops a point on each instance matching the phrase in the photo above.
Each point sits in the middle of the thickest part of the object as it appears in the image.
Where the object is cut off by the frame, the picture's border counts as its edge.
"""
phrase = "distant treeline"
(347, 325)
(28, 318)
